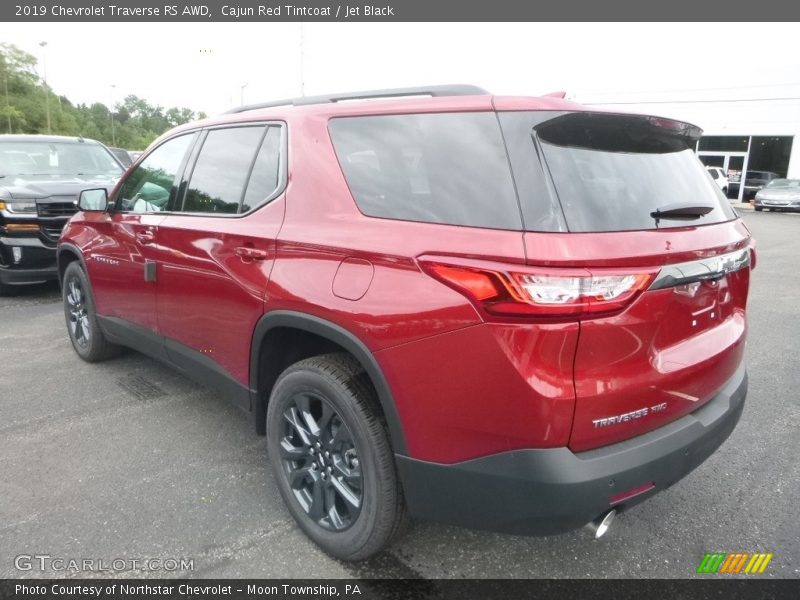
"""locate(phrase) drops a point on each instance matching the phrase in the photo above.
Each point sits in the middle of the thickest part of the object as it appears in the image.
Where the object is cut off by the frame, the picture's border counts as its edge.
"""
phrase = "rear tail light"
(542, 292)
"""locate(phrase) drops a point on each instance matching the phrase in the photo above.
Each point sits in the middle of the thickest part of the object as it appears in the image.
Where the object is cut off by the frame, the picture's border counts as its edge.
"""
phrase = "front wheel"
(84, 332)
(331, 457)
(758, 208)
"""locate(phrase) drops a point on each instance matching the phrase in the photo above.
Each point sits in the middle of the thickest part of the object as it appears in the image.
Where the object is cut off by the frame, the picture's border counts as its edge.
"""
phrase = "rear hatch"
(630, 231)
(616, 285)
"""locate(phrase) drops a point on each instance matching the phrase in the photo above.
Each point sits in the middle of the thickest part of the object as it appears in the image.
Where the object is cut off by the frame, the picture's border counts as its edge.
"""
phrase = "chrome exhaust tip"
(600, 526)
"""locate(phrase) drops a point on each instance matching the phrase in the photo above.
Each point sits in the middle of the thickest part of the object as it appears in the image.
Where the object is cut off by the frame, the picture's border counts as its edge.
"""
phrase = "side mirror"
(93, 200)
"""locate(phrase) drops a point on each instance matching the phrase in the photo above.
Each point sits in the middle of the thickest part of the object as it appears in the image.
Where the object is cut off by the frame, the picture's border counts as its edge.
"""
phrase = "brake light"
(667, 123)
(542, 292)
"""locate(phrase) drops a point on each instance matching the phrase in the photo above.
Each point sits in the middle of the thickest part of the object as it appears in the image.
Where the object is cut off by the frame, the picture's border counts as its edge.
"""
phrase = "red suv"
(516, 314)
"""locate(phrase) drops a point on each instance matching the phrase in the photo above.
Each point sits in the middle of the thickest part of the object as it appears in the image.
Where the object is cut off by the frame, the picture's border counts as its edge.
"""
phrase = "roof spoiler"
(618, 132)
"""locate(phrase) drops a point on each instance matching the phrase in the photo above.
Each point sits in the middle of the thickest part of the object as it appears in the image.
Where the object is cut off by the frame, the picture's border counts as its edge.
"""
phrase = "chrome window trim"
(704, 269)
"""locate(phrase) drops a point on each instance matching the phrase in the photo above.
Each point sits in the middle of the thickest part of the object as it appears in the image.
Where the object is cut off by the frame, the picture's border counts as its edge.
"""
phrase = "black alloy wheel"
(321, 462)
(77, 318)
(331, 457)
(87, 339)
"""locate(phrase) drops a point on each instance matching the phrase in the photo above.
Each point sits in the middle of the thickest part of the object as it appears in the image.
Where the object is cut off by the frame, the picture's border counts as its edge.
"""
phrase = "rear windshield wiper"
(681, 212)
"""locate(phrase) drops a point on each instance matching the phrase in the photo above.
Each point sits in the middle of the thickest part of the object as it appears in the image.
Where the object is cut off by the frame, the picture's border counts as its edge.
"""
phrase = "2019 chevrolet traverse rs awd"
(516, 314)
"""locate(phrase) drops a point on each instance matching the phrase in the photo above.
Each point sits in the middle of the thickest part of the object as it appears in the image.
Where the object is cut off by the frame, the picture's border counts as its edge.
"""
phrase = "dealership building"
(750, 130)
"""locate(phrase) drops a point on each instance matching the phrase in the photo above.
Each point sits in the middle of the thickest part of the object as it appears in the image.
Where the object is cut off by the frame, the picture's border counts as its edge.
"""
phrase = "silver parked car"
(779, 194)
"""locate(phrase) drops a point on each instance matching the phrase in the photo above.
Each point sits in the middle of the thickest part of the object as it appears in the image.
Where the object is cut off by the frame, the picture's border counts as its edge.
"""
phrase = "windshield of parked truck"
(56, 158)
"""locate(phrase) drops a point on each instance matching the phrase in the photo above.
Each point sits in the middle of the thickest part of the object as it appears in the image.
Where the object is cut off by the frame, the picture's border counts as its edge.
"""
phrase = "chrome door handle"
(251, 253)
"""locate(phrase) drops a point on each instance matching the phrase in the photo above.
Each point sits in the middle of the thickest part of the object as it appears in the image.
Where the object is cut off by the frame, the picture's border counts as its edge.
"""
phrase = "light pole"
(302, 61)
(46, 92)
(241, 92)
(111, 112)
(8, 104)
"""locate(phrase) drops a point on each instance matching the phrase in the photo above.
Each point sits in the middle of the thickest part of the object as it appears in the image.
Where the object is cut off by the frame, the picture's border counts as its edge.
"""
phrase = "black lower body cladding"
(550, 491)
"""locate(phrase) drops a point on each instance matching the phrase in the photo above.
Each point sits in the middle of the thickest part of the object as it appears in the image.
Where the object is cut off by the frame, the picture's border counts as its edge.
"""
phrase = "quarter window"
(435, 168)
(153, 185)
(265, 177)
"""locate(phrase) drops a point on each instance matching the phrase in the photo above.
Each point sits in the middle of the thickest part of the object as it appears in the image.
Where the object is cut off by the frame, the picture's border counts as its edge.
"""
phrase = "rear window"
(437, 168)
(611, 171)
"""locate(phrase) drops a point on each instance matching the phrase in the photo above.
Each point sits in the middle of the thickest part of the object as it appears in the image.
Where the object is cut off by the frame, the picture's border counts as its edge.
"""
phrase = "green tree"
(132, 123)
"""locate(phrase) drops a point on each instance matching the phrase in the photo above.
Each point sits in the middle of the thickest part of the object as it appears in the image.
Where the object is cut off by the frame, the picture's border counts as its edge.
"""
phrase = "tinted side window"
(436, 168)
(265, 177)
(152, 185)
(220, 174)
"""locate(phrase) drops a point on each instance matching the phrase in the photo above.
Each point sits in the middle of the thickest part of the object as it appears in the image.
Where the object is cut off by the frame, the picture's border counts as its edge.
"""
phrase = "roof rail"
(434, 90)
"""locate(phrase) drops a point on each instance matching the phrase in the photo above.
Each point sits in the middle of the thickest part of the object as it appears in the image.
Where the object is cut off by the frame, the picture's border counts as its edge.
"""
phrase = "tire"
(758, 208)
(326, 404)
(84, 331)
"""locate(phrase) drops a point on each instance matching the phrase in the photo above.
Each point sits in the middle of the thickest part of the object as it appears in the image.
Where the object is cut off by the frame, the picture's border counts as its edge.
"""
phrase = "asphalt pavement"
(129, 460)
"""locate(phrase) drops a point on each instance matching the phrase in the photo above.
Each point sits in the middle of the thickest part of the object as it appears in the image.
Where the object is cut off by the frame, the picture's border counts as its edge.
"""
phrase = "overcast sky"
(203, 66)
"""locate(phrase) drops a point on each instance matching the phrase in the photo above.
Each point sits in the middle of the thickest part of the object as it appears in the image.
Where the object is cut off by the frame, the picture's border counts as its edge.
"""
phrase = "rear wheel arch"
(282, 338)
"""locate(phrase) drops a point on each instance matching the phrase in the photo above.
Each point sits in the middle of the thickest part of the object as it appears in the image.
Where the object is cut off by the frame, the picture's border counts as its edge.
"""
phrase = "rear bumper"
(548, 491)
(37, 262)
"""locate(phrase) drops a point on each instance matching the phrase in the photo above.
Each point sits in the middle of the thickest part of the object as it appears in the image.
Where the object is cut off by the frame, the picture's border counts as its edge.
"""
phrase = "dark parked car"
(40, 178)
(779, 194)
(516, 314)
(754, 181)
